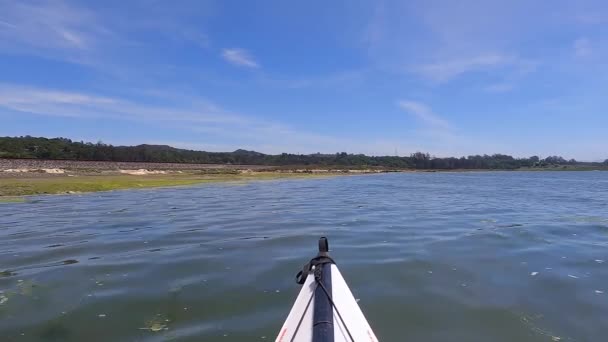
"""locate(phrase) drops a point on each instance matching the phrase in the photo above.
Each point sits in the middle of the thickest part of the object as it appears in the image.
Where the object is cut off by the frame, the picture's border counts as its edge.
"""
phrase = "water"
(431, 256)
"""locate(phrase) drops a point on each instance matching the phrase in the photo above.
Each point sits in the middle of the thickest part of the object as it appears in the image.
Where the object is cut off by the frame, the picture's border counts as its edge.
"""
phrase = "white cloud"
(443, 42)
(424, 113)
(108, 39)
(52, 102)
(220, 129)
(444, 71)
(438, 136)
(240, 57)
(47, 25)
(184, 114)
(582, 47)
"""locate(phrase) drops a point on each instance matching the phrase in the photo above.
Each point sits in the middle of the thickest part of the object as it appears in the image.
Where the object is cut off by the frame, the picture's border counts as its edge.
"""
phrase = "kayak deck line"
(323, 318)
(325, 309)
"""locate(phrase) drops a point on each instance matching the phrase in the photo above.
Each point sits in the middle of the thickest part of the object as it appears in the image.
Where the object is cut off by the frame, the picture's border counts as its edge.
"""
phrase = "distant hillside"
(62, 148)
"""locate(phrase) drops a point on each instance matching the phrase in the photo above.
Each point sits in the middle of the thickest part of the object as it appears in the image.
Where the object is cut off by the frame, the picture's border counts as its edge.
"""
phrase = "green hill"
(62, 148)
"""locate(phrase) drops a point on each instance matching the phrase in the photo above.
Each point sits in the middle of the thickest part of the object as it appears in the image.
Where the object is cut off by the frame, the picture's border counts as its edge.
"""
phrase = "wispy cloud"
(106, 39)
(424, 114)
(439, 137)
(199, 38)
(240, 57)
(6, 24)
(502, 87)
(218, 129)
(582, 47)
(336, 80)
(47, 25)
(592, 18)
(52, 102)
(194, 115)
(444, 71)
(441, 44)
(375, 32)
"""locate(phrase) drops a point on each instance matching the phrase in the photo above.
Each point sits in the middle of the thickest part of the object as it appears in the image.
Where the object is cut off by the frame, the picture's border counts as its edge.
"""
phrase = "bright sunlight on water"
(490, 256)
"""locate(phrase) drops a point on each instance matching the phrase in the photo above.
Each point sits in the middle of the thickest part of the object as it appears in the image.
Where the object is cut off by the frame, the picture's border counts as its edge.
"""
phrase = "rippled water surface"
(432, 257)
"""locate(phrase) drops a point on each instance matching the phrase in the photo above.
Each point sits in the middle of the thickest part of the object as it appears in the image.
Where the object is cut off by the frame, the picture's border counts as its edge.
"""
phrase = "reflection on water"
(504, 256)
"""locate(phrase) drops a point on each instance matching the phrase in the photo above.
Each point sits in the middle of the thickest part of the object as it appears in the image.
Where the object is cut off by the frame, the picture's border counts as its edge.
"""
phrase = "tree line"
(62, 148)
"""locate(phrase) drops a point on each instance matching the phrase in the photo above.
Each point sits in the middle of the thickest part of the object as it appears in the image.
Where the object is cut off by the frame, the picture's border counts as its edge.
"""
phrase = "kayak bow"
(325, 310)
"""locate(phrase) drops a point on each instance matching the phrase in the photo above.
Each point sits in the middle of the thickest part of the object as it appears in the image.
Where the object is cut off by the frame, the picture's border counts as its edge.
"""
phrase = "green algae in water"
(3, 299)
(529, 321)
(586, 219)
(6, 200)
(160, 322)
(7, 273)
(26, 288)
(156, 324)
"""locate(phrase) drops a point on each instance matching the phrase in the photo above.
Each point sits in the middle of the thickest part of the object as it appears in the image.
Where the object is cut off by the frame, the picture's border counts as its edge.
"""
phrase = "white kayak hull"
(299, 324)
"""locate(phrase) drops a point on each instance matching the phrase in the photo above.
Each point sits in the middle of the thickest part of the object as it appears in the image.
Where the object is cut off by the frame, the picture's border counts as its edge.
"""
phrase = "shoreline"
(28, 177)
(19, 178)
(14, 189)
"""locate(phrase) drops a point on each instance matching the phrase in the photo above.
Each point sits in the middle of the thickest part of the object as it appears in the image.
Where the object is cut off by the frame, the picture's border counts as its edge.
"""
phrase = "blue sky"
(450, 78)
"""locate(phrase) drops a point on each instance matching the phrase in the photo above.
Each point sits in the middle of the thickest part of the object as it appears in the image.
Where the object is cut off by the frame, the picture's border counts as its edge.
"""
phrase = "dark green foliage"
(557, 160)
(62, 148)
